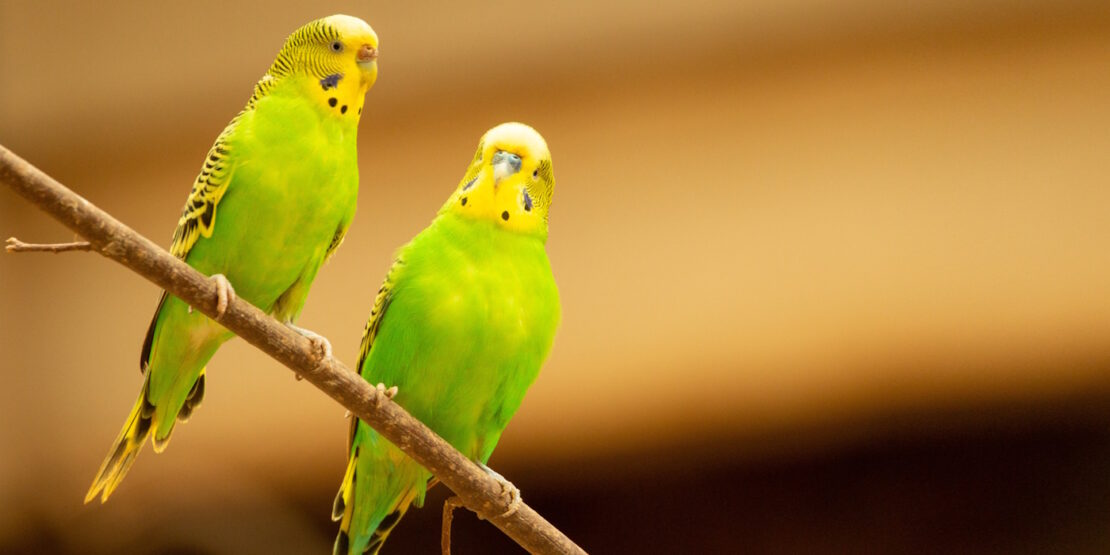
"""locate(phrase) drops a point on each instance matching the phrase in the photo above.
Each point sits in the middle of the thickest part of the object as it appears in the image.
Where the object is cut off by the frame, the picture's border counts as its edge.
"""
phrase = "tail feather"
(346, 490)
(160, 437)
(369, 536)
(377, 540)
(140, 424)
(126, 447)
(193, 400)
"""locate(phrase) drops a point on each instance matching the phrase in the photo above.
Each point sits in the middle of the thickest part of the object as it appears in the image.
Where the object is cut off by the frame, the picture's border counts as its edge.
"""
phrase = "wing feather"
(336, 241)
(370, 332)
(199, 216)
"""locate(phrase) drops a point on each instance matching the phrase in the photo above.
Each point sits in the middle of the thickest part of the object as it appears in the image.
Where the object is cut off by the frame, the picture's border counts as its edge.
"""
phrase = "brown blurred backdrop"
(835, 276)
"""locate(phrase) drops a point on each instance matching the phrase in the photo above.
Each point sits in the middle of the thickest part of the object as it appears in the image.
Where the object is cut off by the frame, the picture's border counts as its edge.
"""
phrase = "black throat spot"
(331, 81)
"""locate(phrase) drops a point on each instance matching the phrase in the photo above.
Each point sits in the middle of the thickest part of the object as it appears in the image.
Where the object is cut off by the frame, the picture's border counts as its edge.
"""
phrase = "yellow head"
(509, 182)
(336, 56)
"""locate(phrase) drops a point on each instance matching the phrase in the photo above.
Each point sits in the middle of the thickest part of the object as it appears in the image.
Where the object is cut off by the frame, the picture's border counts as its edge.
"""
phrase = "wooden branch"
(449, 505)
(15, 245)
(478, 491)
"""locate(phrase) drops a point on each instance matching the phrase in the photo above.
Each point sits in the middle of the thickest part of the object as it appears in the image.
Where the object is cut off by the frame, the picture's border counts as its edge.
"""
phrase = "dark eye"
(336, 46)
(535, 174)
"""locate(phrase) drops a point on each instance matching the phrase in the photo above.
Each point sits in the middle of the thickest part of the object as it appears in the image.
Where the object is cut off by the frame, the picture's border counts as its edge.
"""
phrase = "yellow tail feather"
(140, 424)
(125, 449)
(343, 511)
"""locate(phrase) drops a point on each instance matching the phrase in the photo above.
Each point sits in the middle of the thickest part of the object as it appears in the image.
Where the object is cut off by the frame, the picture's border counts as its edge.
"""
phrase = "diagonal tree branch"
(477, 490)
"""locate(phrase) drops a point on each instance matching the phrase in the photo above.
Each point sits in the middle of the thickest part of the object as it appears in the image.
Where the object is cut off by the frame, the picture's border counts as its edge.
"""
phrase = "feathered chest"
(473, 284)
(284, 144)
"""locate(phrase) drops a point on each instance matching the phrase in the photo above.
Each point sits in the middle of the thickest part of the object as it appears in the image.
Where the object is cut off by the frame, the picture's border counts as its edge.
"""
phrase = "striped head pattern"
(337, 56)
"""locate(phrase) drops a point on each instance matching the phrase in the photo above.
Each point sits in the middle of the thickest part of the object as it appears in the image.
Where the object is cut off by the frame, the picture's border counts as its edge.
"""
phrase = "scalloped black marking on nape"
(331, 81)
(470, 184)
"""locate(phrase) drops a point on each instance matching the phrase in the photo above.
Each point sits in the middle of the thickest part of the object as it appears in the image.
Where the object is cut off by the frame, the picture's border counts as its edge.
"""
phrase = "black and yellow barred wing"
(381, 302)
(341, 508)
(370, 332)
(199, 216)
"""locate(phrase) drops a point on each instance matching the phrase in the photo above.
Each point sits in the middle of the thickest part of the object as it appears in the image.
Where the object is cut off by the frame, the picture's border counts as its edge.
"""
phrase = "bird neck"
(337, 96)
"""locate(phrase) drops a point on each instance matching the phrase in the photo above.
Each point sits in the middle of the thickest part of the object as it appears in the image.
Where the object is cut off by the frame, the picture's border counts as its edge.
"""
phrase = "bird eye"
(535, 174)
(336, 46)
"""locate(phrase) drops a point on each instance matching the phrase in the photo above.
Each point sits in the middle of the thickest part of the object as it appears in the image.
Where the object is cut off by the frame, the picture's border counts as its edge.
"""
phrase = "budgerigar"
(464, 320)
(273, 201)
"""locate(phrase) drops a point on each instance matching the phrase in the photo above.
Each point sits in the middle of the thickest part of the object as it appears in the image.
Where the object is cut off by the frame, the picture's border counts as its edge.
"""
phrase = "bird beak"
(504, 165)
(367, 54)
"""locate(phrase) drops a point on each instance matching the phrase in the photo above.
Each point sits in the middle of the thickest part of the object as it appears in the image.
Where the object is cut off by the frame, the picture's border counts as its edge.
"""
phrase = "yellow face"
(509, 182)
(355, 47)
(338, 58)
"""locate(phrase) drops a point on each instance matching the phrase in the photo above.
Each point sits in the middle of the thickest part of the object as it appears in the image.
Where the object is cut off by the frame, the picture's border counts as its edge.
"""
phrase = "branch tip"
(15, 245)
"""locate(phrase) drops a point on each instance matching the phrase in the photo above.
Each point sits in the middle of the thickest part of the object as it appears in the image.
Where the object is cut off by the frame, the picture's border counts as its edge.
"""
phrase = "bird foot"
(387, 392)
(320, 344)
(508, 491)
(225, 293)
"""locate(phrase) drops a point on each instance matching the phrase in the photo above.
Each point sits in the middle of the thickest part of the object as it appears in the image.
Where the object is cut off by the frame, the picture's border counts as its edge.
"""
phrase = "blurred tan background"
(835, 275)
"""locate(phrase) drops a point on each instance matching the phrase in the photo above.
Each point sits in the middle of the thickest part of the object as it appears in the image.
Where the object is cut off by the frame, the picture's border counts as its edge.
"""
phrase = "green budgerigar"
(461, 326)
(273, 201)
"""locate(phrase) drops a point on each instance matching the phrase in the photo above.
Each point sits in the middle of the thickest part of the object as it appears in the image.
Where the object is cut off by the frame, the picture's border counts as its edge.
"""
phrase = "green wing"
(381, 303)
(370, 332)
(199, 216)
